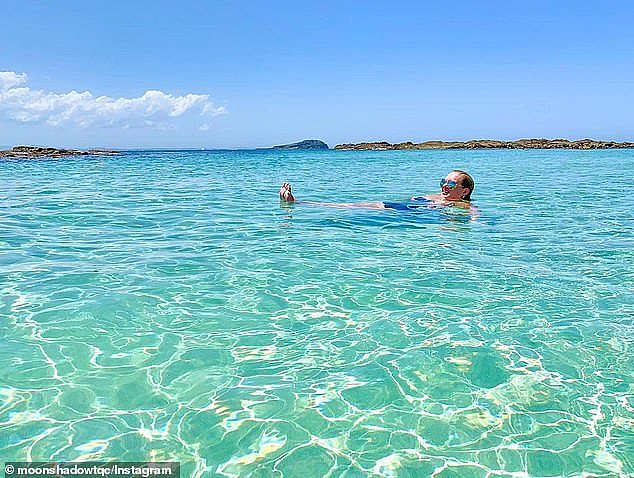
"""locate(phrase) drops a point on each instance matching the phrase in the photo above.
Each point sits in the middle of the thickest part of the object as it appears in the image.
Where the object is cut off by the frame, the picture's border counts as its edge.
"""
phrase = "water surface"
(163, 306)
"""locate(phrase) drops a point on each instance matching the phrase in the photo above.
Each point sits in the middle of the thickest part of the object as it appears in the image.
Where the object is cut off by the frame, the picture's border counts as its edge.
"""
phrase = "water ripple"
(162, 306)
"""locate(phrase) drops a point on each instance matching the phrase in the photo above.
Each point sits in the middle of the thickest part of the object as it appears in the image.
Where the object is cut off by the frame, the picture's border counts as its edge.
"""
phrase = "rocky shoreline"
(32, 152)
(490, 144)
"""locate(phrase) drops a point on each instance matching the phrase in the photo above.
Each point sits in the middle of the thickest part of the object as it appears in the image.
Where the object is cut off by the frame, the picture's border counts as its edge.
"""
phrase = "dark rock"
(29, 152)
(491, 144)
(306, 144)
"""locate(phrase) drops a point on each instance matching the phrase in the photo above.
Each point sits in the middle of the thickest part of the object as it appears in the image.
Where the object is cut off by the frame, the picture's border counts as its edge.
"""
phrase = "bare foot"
(286, 194)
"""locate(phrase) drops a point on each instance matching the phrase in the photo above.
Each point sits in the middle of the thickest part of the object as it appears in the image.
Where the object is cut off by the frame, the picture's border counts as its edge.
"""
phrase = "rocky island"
(490, 144)
(306, 144)
(32, 152)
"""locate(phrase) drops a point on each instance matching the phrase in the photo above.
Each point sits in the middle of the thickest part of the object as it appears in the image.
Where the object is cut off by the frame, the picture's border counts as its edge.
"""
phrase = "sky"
(230, 74)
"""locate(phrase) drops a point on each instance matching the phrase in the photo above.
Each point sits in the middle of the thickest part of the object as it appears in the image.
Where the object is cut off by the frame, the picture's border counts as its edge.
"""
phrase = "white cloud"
(154, 109)
(10, 79)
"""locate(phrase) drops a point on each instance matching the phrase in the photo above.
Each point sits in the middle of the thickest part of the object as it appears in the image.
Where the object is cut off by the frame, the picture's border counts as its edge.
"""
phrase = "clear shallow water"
(164, 306)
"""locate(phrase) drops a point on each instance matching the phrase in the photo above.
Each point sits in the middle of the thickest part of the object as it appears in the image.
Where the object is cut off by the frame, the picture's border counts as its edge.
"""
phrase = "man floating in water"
(455, 190)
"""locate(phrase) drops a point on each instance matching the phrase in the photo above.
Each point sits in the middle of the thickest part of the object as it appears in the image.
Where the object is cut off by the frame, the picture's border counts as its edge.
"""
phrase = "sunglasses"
(451, 184)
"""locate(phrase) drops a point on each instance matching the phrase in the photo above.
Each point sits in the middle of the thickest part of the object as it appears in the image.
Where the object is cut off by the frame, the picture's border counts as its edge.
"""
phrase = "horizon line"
(250, 148)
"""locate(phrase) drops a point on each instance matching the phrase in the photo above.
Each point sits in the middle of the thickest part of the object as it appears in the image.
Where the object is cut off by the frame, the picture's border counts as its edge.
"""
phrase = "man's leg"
(286, 195)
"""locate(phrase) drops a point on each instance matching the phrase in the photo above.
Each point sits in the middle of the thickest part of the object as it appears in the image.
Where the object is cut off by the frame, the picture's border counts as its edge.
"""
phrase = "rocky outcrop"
(306, 144)
(30, 152)
(491, 144)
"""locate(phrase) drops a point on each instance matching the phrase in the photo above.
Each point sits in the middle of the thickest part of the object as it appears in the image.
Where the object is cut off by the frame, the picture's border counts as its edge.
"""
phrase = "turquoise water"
(163, 306)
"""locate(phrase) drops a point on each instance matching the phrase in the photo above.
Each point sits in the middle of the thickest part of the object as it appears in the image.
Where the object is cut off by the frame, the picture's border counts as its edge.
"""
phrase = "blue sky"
(264, 73)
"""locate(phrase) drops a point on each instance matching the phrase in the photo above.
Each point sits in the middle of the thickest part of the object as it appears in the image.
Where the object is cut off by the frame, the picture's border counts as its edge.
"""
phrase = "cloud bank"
(154, 109)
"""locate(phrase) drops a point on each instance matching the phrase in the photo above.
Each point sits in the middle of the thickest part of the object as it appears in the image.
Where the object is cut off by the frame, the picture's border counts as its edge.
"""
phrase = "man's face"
(451, 187)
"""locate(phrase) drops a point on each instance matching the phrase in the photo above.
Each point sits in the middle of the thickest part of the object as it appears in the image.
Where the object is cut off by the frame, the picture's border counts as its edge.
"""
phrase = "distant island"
(31, 152)
(306, 144)
(490, 144)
